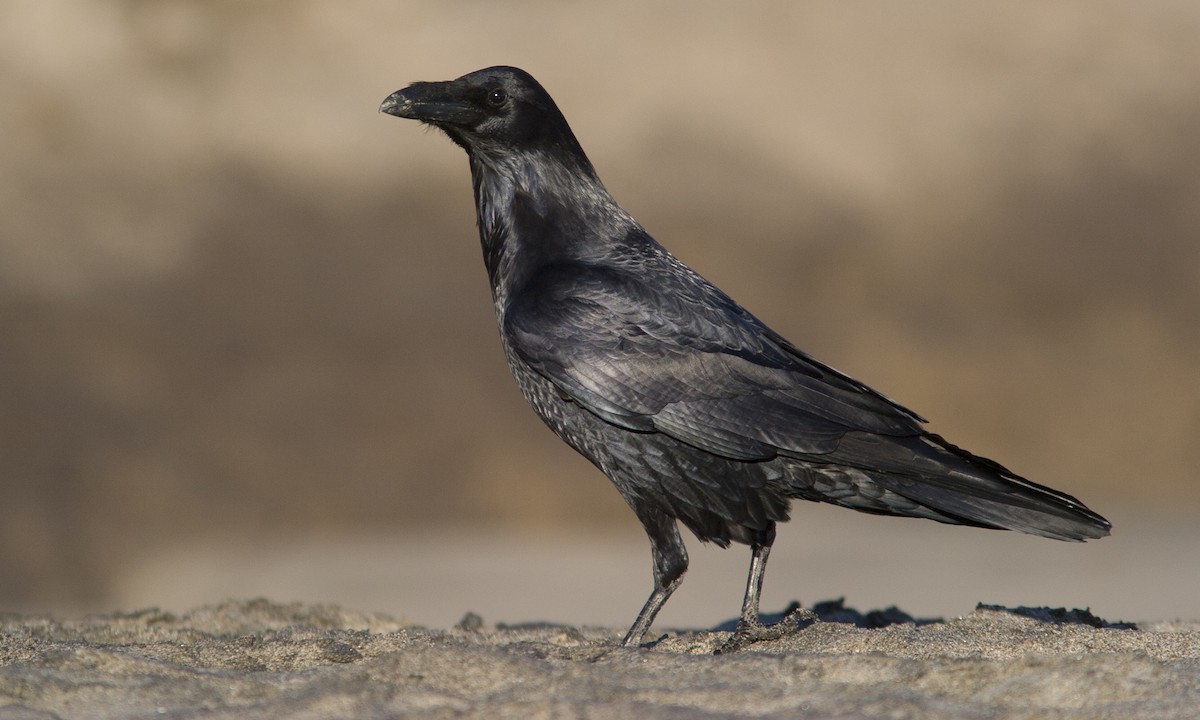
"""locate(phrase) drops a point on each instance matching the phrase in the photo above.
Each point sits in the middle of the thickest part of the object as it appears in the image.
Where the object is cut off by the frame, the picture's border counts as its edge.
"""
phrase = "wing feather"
(691, 364)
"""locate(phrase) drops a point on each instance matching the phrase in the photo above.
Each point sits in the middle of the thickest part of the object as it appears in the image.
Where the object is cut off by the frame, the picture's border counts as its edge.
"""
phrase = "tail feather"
(971, 490)
(1052, 514)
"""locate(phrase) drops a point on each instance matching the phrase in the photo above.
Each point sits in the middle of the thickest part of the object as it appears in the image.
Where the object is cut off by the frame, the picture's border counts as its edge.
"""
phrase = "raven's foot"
(748, 633)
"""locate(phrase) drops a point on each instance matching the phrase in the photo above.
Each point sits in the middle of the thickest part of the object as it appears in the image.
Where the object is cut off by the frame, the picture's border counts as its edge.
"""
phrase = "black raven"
(694, 409)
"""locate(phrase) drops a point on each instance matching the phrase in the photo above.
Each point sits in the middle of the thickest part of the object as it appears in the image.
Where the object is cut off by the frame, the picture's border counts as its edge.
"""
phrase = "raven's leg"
(670, 562)
(760, 549)
(748, 629)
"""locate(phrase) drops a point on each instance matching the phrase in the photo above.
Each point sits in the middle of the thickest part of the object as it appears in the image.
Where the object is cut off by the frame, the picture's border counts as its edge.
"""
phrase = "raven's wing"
(656, 347)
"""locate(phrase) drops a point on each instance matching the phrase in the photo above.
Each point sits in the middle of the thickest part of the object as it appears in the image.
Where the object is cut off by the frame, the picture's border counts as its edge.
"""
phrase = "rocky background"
(242, 313)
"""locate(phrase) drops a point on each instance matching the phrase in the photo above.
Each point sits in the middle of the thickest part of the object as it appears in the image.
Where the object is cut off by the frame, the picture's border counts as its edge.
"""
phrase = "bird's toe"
(749, 633)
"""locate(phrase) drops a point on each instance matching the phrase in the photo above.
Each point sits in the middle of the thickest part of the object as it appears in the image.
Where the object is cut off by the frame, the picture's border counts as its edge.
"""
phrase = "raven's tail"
(925, 476)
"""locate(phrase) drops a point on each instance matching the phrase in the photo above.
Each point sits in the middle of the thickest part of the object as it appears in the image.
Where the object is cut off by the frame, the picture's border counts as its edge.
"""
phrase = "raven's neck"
(538, 209)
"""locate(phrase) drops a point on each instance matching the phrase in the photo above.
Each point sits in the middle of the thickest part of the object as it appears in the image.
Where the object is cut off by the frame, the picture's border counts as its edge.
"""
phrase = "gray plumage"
(695, 410)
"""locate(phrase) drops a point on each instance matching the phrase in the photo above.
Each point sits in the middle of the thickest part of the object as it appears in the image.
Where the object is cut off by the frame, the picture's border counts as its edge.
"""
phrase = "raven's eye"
(497, 97)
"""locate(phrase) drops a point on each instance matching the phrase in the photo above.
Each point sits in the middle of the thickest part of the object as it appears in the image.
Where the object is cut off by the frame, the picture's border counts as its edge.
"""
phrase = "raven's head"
(496, 111)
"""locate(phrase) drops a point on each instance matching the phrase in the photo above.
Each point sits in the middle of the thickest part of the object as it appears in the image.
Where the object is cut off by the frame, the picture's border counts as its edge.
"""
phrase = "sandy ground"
(443, 630)
(259, 659)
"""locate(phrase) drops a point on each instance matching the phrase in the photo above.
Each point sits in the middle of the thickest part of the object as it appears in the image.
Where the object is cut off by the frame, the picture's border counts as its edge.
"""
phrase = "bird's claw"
(748, 633)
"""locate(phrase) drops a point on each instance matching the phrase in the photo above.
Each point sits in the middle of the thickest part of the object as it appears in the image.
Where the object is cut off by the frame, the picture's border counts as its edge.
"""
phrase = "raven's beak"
(438, 103)
(398, 104)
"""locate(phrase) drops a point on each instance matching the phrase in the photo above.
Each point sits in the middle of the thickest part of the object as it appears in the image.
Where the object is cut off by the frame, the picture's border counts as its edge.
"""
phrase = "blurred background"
(247, 347)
